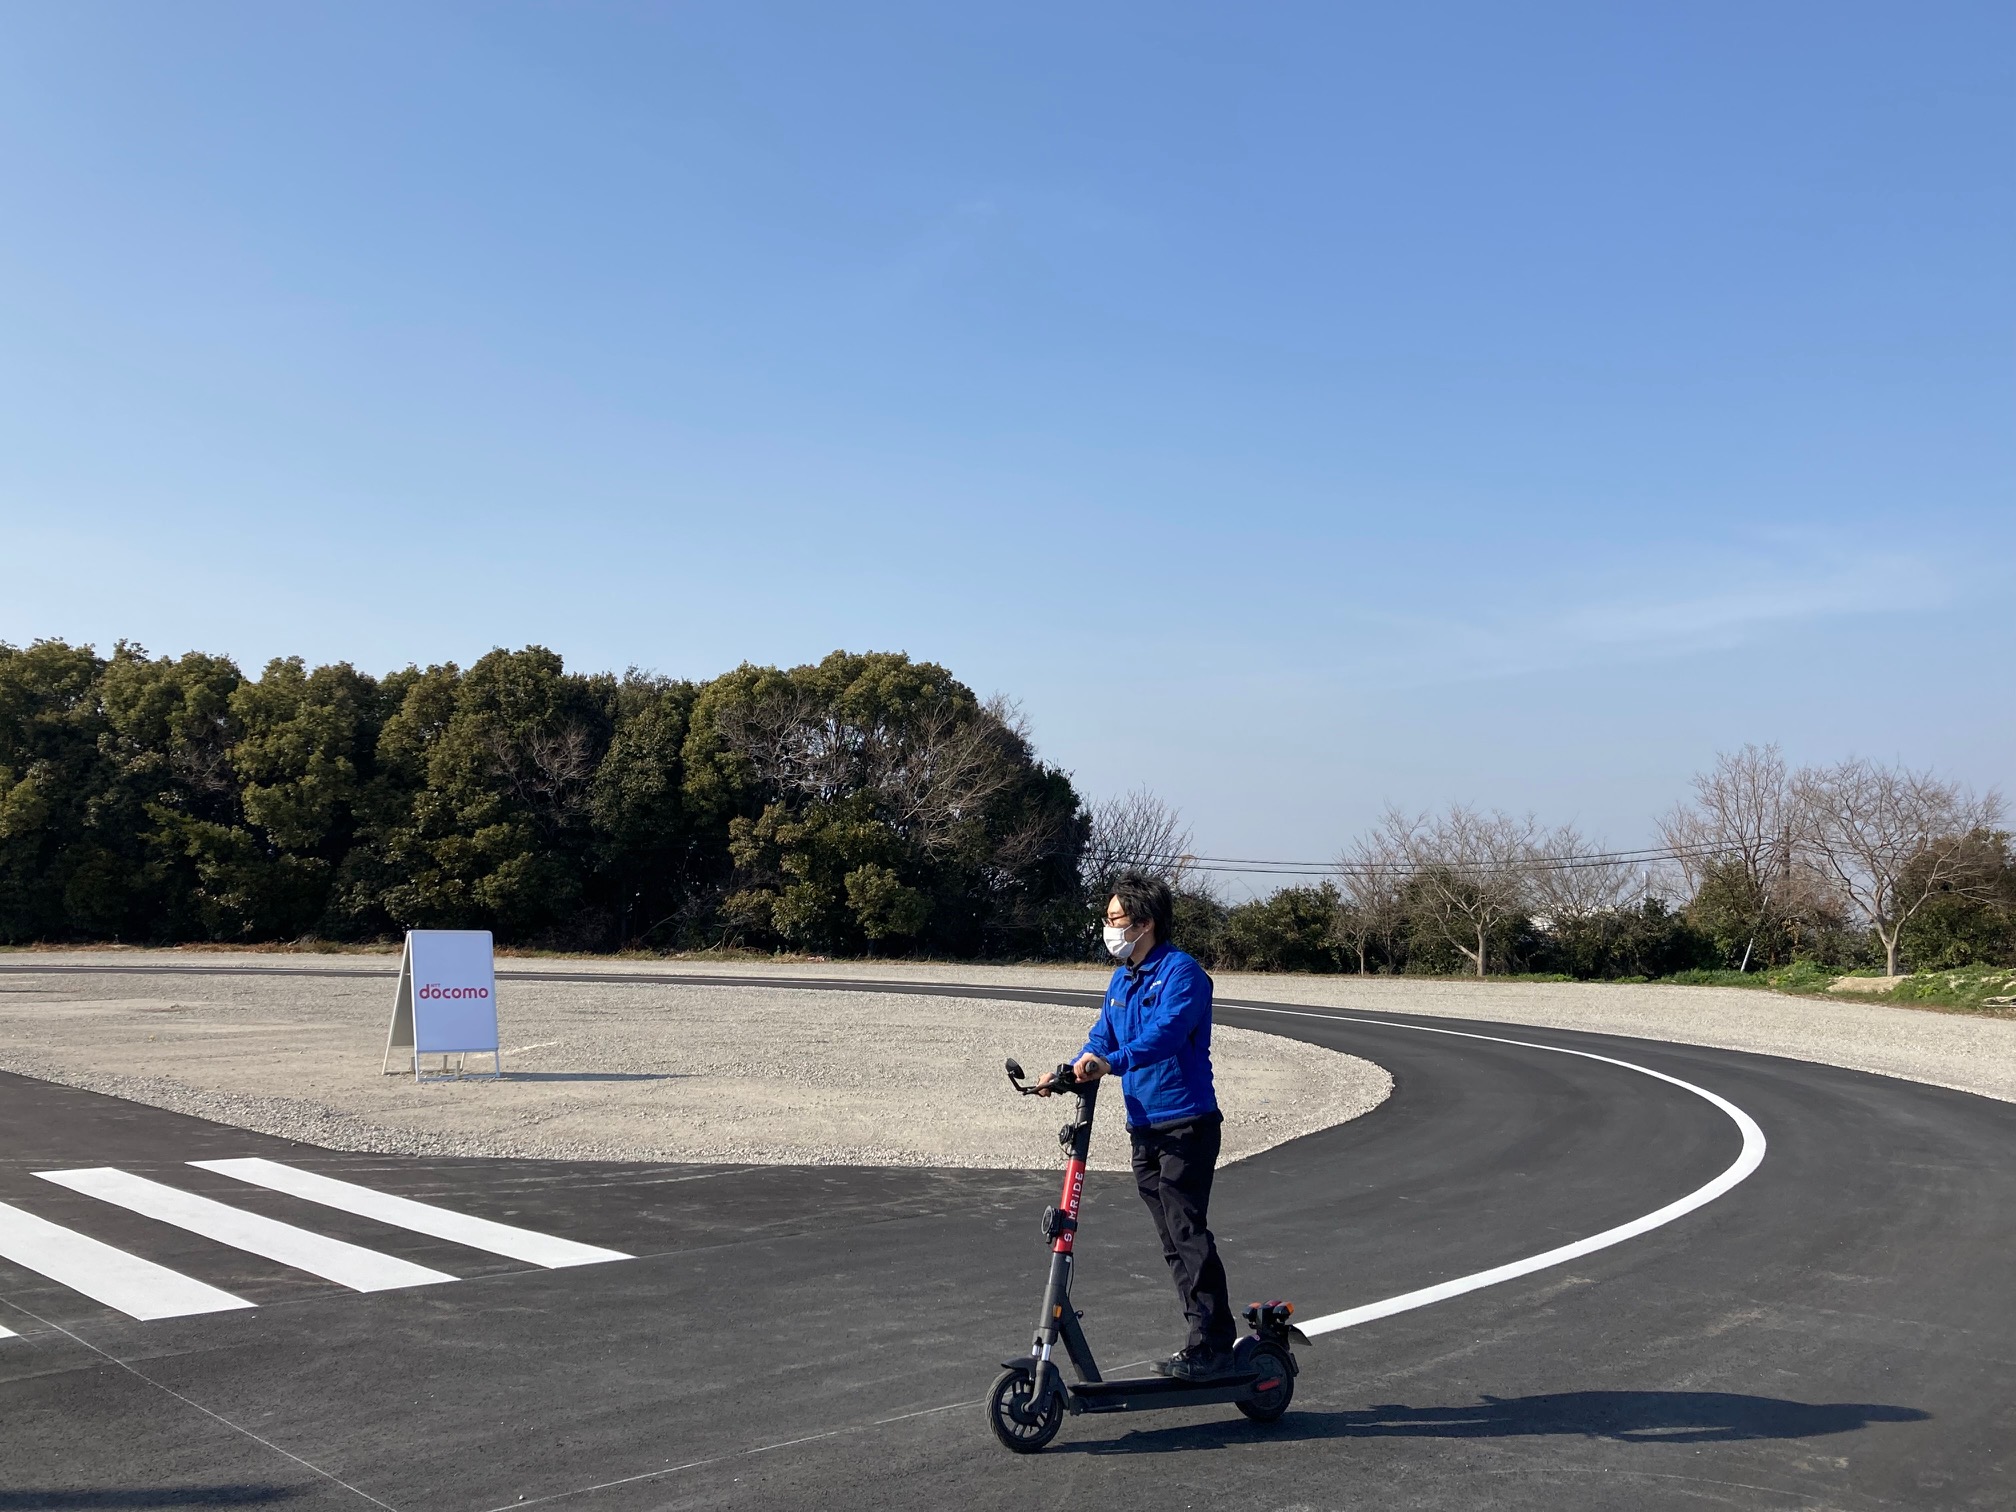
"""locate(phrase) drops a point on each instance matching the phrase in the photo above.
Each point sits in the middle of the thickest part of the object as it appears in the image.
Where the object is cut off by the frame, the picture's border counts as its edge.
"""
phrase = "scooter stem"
(1061, 1223)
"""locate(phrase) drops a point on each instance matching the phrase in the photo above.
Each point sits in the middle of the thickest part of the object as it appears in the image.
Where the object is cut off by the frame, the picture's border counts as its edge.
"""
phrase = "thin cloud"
(1730, 616)
(1391, 649)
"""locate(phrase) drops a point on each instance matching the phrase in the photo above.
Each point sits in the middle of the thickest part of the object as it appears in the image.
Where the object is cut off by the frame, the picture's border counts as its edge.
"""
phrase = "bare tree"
(937, 767)
(947, 767)
(1885, 839)
(549, 771)
(1137, 832)
(1743, 810)
(1744, 821)
(1571, 877)
(1372, 886)
(1470, 873)
(792, 743)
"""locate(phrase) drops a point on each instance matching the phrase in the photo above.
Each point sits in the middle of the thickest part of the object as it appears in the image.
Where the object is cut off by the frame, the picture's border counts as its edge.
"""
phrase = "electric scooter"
(1027, 1404)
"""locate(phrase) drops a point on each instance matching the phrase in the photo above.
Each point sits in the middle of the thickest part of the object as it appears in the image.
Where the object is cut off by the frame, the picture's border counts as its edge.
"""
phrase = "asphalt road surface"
(1838, 1330)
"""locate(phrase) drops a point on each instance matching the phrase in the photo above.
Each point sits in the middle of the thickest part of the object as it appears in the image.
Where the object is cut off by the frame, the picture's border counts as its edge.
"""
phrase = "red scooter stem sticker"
(1074, 1190)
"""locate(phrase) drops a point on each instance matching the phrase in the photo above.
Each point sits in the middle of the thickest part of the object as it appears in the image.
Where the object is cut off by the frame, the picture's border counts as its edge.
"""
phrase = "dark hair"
(1146, 897)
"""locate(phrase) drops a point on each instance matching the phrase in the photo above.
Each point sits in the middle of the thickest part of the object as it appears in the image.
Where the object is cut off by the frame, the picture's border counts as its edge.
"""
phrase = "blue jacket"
(1155, 1032)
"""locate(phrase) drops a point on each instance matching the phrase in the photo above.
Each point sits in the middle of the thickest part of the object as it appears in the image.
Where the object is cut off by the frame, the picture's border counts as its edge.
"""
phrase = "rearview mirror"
(1015, 1069)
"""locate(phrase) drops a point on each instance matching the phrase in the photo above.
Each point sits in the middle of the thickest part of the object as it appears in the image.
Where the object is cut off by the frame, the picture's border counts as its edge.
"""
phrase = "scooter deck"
(1141, 1392)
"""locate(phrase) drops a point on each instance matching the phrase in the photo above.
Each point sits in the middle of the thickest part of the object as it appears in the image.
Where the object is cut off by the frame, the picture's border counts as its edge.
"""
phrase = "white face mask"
(1118, 945)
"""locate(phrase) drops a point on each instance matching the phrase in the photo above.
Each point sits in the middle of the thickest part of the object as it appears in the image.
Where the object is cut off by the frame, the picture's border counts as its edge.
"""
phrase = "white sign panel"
(447, 1001)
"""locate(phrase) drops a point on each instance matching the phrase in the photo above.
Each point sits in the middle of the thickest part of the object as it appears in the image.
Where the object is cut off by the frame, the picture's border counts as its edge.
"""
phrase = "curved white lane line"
(1751, 1156)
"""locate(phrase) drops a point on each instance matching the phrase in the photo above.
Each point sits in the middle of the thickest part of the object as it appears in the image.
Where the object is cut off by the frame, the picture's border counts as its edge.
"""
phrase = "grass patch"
(1965, 987)
(1704, 977)
(1800, 976)
(1496, 978)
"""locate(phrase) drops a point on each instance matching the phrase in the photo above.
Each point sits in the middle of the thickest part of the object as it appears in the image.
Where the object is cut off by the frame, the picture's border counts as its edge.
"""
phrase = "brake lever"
(1063, 1079)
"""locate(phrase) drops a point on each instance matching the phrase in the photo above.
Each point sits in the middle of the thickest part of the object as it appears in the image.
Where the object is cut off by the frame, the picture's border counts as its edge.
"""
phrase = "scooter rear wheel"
(1016, 1421)
(1276, 1386)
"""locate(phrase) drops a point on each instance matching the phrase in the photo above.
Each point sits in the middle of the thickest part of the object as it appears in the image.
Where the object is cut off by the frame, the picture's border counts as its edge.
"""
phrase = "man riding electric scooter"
(1154, 1032)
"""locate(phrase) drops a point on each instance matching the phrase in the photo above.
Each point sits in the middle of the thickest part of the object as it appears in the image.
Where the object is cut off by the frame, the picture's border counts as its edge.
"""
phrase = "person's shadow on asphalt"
(1627, 1417)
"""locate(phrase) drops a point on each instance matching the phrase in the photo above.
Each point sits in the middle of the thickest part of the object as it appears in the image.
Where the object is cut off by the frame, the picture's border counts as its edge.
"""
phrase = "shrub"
(1718, 976)
(1647, 941)
(1199, 926)
(1967, 987)
(1952, 931)
(1803, 976)
(1289, 931)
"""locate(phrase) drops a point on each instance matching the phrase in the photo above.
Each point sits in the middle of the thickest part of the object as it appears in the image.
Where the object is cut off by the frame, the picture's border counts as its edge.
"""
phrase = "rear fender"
(1242, 1354)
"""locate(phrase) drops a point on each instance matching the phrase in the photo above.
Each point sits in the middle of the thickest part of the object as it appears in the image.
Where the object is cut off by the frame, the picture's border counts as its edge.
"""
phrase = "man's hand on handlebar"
(1087, 1068)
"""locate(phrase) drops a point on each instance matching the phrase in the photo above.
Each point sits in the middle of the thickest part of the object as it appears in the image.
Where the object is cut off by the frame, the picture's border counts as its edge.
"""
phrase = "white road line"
(8, 1333)
(138, 1288)
(350, 1265)
(420, 1217)
(1747, 1160)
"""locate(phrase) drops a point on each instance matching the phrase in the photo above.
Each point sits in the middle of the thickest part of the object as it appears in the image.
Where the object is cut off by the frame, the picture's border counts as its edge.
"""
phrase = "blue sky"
(1296, 408)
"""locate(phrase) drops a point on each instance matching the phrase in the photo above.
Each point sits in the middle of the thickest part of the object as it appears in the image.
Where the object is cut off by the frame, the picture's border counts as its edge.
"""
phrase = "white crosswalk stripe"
(147, 1291)
(420, 1217)
(139, 1288)
(348, 1265)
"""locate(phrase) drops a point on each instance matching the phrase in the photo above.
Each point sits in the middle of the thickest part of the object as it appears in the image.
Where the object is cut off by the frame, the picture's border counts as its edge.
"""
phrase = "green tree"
(201, 873)
(1974, 925)
(821, 877)
(66, 863)
(868, 802)
(304, 756)
(1291, 930)
(1647, 939)
(873, 798)
(1747, 921)
(646, 863)
(1198, 927)
(486, 816)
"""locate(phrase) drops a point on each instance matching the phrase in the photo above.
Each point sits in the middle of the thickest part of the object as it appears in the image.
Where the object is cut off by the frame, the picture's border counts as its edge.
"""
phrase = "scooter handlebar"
(1063, 1079)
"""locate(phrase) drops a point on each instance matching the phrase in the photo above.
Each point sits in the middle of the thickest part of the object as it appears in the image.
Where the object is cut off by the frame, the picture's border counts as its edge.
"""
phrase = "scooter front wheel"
(1017, 1421)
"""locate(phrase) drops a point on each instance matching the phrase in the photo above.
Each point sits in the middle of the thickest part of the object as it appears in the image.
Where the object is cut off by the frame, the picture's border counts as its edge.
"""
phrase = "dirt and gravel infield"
(1966, 1052)
(675, 1069)
(670, 1070)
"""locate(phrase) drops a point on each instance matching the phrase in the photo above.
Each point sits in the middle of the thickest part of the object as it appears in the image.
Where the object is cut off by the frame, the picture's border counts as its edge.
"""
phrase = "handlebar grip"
(1063, 1079)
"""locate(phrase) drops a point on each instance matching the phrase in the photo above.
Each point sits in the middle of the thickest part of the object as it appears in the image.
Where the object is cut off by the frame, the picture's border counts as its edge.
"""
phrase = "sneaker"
(1198, 1362)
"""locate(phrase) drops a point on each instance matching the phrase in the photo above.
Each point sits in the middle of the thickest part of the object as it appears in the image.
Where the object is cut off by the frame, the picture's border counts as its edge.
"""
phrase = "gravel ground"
(689, 1072)
(676, 1071)
(1966, 1052)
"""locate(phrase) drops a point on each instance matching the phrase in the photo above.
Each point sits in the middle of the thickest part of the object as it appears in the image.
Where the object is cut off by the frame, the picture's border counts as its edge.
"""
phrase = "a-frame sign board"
(447, 1001)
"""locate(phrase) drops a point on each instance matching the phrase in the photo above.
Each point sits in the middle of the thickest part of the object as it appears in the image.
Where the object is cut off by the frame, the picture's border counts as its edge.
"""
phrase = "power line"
(1253, 866)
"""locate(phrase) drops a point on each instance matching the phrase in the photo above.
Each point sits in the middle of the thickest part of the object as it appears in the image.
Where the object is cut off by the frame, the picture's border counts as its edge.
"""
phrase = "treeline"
(869, 803)
(1309, 928)
(1852, 865)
